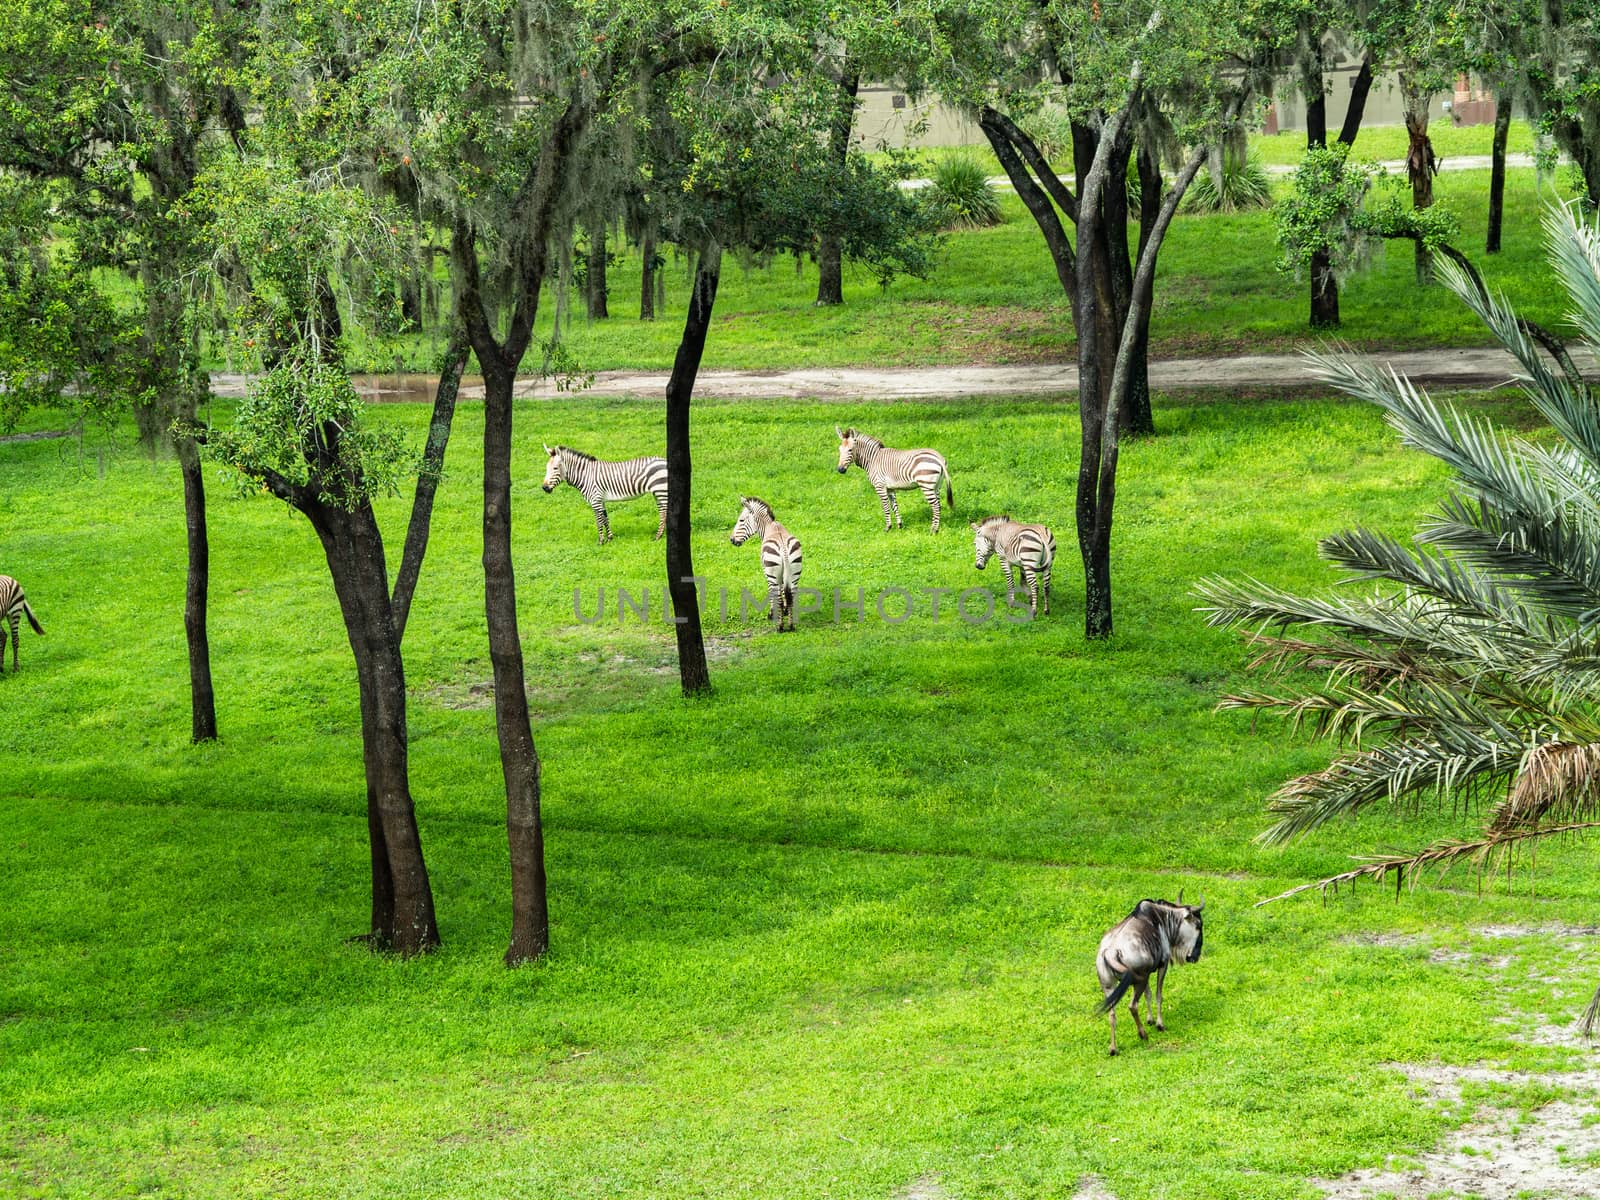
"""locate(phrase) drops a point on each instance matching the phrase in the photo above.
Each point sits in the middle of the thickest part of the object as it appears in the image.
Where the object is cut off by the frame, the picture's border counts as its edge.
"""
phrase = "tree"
(1560, 50)
(1312, 30)
(286, 228)
(1470, 670)
(1148, 73)
(740, 162)
(120, 112)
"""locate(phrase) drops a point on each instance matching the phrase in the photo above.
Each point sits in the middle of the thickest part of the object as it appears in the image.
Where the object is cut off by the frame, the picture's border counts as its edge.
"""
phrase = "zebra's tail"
(949, 490)
(32, 620)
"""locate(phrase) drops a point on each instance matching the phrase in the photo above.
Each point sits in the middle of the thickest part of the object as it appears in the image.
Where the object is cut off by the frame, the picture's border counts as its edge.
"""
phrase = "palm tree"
(1472, 667)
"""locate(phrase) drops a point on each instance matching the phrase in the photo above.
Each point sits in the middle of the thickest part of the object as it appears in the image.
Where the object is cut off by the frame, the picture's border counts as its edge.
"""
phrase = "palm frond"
(1440, 856)
(1559, 780)
(1386, 772)
(1575, 254)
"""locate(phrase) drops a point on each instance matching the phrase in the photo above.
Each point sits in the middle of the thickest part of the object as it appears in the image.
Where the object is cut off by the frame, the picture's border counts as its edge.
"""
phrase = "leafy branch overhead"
(1468, 665)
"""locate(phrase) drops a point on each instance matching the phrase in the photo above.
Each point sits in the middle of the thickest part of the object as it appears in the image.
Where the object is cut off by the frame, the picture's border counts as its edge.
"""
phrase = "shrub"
(959, 195)
(1244, 186)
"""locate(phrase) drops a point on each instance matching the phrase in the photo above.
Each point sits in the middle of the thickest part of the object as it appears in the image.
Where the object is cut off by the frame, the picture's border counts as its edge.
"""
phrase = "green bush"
(1244, 186)
(959, 195)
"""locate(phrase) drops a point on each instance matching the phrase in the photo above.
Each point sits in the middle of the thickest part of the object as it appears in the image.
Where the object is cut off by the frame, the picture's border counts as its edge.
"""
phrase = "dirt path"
(1441, 370)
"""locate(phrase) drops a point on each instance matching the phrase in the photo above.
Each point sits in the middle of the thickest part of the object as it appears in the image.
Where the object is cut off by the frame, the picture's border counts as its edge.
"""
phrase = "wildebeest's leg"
(1161, 979)
(1140, 989)
(1112, 1013)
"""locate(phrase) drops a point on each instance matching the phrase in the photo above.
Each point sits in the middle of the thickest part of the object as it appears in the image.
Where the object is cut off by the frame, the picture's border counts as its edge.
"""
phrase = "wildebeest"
(1156, 934)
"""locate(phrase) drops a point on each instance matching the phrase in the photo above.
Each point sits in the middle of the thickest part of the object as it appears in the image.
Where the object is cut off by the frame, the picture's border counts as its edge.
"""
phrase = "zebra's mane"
(998, 520)
(761, 507)
(575, 453)
(865, 437)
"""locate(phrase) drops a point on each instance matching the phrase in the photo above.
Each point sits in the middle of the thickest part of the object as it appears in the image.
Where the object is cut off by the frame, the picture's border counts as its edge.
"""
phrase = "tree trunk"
(1360, 89)
(1421, 163)
(692, 670)
(1139, 415)
(444, 410)
(595, 274)
(519, 759)
(830, 252)
(647, 276)
(1313, 82)
(1497, 170)
(202, 697)
(402, 898)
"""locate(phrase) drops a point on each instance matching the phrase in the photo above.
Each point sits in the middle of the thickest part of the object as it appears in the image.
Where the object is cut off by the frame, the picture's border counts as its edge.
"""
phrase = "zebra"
(13, 602)
(892, 471)
(1031, 547)
(600, 481)
(780, 555)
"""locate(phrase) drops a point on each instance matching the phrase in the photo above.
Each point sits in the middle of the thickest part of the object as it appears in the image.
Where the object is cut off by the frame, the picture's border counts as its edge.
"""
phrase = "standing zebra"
(600, 481)
(12, 603)
(780, 555)
(892, 471)
(1030, 547)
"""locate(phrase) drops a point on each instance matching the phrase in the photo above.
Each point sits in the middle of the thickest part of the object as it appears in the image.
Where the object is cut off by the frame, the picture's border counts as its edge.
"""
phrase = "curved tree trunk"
(444, 411)
(692, 670)
(1497, 170)
(202, 696)
(402, 898)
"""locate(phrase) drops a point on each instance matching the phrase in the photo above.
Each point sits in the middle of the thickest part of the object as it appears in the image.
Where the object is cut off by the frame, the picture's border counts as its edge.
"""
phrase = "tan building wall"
(886, 116)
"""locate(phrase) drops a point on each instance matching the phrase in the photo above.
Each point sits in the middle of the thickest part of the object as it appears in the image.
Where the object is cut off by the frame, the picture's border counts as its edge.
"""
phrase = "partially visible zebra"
(1030, 547)
(600, 481)
(13, 602)
(892, 471)
(780, 555)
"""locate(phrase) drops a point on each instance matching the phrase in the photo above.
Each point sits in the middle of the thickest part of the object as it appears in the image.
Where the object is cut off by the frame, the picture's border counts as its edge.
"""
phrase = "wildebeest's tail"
(1123, 984)
(32, 620)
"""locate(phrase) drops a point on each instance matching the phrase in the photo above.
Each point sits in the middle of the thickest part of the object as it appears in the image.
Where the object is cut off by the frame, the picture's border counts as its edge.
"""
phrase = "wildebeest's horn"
(1201, 905)
(1180, 895)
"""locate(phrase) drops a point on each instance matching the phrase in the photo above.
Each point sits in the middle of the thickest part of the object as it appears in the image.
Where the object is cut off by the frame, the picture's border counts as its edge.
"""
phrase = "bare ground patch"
(611, 672)
(1526, 1133)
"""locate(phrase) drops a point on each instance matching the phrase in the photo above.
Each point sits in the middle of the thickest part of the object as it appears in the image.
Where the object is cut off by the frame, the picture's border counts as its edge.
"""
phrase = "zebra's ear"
(974, 526)
(840, 432)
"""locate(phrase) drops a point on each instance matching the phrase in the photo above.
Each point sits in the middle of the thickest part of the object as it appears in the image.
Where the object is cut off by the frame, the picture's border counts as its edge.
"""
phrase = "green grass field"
(994, 299)
(828, 933)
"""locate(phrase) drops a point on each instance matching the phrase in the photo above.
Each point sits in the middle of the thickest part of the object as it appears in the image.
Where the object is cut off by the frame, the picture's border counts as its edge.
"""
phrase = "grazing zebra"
(12, 603)
(892, 471)
(1031, 547)
(600, 481)
(780, 555)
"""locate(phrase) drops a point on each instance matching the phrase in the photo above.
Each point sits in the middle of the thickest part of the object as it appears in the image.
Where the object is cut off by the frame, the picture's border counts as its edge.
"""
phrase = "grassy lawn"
(826, 934)
(994, 299)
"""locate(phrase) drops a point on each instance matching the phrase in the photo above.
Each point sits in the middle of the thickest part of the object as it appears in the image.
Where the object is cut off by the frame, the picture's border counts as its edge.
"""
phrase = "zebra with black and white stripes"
(780, 555)
(13, 603)
(599, 480)
(891, 471)
(1032, 548)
